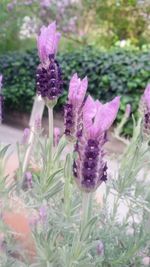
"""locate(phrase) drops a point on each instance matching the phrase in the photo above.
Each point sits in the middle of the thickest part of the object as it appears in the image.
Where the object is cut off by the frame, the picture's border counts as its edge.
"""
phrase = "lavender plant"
(64, 176)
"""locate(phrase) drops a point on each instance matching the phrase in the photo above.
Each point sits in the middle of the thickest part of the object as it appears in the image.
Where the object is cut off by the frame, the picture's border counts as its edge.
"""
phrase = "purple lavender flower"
(73, 108)
(145, 108)
(56, 136)
(49, 76)
(10, 6)
(100, 248)
(45, 3)
(28, 179)
(1, 99)
(2, 242)
(43, 214)
(89, 168)
(25, 137)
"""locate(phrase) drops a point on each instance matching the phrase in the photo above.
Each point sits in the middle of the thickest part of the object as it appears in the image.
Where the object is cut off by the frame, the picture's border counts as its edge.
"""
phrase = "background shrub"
(123, 73)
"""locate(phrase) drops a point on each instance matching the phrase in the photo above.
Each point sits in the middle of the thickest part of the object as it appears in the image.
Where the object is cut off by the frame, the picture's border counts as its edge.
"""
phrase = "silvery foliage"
(70, 228)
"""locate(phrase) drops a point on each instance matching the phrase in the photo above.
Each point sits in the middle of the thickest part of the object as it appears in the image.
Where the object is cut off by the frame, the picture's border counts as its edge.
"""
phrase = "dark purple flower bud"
(10, 6)
(2, 243)
(43, 214)
(49, 76)
(145, 110)
(1, 100)
(73, 108)
(49, 79)
(56, 136)
(33, 221)
(27, 183)
(100, 248)
(90, 169)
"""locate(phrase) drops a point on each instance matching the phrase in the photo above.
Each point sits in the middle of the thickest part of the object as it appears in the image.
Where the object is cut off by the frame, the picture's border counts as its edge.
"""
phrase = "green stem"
(119, 128)
(51, 126)
(86, 210)
(50, 139)
(28, 151)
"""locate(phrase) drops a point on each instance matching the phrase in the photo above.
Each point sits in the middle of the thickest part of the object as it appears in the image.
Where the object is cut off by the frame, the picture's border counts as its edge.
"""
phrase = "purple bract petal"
(147, 96)
(1, 78)
(48, 41)
(73, 108)
(97, 118)
(106, 114)
(77, 90)
(56, 135)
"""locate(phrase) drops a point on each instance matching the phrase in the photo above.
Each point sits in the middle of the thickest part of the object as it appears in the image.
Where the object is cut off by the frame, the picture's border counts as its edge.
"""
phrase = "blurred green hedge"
(113, 73)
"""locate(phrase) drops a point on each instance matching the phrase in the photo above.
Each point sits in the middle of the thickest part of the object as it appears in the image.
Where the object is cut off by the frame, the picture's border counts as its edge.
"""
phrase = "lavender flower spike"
(145, 106)
(73, 108)
(49, 76)
(89, 168)
(1, 99)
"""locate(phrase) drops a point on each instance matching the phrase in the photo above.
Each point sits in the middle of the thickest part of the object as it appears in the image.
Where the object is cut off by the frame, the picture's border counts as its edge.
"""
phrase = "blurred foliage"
(118, 72)
(82, 22)
(115, 20)
(20, 21)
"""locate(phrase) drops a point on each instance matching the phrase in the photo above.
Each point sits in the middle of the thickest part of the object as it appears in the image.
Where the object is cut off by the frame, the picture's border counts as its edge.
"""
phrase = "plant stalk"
(28, 152)
(51, 124)
(86, 210)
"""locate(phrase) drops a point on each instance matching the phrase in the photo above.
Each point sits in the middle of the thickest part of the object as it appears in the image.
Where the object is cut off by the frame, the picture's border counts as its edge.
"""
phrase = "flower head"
(73, 108)
(43, 214)
(2, 242)
(47, 42)
(89, 168)
(145, 110)
(100, 248)
(27, 183)
(1, 98)
(49, 76)
(146, 96)
(1, 78)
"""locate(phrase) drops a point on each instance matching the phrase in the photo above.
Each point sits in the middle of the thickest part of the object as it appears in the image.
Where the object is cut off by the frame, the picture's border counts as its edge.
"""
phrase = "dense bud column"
(145, 110)
(1, 100)
(90, 168)
(73, 108)
(49, 76)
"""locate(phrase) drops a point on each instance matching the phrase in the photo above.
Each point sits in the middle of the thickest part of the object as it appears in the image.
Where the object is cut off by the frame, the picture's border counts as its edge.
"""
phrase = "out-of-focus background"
(107, 40)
